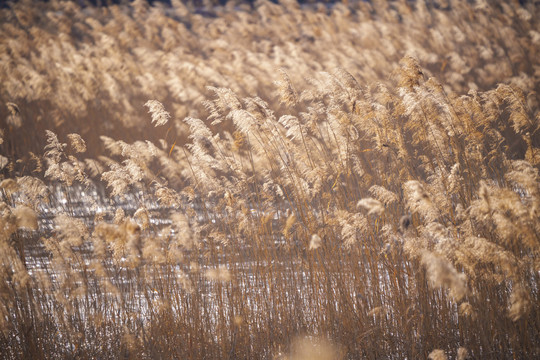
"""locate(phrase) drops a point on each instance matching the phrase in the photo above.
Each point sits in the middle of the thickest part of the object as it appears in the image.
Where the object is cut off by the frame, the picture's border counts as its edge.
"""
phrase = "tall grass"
(258, 207)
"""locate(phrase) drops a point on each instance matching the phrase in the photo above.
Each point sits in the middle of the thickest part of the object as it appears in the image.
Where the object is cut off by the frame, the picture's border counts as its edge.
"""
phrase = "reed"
(284, 181)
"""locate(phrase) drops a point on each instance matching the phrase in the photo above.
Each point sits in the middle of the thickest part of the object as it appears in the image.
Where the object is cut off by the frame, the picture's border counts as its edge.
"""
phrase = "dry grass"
(386, 208)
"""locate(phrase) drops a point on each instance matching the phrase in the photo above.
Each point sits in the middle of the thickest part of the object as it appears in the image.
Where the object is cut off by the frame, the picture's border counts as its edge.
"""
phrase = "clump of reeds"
(364, 215)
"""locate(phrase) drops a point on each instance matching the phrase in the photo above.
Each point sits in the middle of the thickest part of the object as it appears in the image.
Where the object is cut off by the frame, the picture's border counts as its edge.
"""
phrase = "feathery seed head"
(286, 90)
(437, 355)
(315, 242)
(159, 115)
(77, 143)
(462, 354)
(26, 217)
(373, 206)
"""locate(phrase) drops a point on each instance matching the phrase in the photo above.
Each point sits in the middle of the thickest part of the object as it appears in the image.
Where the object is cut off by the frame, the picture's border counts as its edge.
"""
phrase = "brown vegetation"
(356, 181)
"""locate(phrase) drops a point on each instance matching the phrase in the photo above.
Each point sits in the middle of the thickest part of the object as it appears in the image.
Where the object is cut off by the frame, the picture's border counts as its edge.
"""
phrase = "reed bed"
(278, 181)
